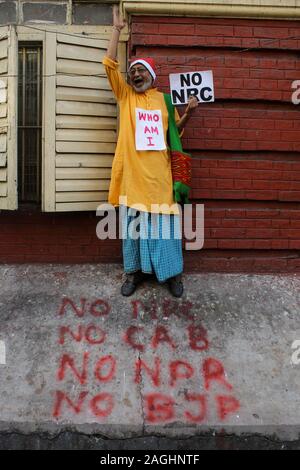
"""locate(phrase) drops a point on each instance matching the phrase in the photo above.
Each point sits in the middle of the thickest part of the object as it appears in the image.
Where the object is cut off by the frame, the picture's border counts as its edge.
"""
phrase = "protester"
(142, 179)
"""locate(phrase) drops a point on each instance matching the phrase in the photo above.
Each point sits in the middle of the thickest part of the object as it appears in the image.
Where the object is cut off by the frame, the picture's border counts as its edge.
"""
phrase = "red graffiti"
(213, 370)
(98, 308)
(91, 334)
(193, 406)
(69, 303)
(61, 397)
(108, 405)
(154, 373)
(129, 338)
(202, 404)
(99, 372)
(67, 360)
(161, 336)
(197, 338)
(180, 370)
(110, 363)
(94, 335)
(226, 405)
(104, 399)
(159, 408)
(168, 307)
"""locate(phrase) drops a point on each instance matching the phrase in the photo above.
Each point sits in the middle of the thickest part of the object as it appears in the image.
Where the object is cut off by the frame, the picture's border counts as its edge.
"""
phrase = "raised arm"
(118, 25)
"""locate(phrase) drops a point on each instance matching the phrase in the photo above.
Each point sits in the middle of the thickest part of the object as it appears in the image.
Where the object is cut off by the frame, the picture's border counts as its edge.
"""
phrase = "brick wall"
(31, 236)
(245, 145)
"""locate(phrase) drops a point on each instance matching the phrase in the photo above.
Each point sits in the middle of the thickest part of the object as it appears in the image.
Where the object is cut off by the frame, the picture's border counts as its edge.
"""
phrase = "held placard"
(198, 84)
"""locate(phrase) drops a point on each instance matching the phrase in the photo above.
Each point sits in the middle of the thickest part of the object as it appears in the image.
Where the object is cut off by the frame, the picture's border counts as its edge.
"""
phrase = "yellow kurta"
(143, 176)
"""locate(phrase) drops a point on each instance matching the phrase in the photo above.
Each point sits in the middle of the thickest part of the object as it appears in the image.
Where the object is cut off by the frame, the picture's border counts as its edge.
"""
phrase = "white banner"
(149, 132)
(184, 85)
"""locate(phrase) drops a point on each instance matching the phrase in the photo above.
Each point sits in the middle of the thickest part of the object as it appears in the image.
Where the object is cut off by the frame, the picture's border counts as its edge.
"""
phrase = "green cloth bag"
(180, 161)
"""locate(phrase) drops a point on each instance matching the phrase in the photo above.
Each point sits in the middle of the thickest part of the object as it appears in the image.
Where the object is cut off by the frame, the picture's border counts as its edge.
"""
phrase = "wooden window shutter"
(80, 124)
(8, 118)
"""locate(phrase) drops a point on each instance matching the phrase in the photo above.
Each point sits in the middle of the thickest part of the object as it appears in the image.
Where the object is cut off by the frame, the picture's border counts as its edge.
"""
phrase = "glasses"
(139, 70)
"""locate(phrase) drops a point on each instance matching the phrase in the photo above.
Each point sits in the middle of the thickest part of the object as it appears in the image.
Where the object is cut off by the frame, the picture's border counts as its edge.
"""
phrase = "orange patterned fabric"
(181, 165)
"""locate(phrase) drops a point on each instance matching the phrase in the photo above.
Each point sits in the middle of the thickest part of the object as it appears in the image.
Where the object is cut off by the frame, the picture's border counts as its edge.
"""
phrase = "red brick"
(235, 42)
(250, 42)
(178, 29)
(272, 264)
(144, 28)
(288, 44)
(289, 196)
(280, 244)
(243, 184)
(211, 122)
(212, 222)
(269, 32)
(200, 172)
(209, 244)
(281, 223)
(226, 244)
(231, 145)
(245, 223)
(215, 62)
(233, 83)
(220, 213)
(262, 244)
(233, 61)
(243, 31)
(262, 233)
(295, 223)
(252, 83)
(246, 164)
(230, 223)
(261, 195)
(290, 233)
(244, 244)
(228, 233)
(218, 31)
(227, 163)
(292, 214)
(294, 244)
(294, 264)
(224, 184)
(235, 213)
(230, 122)
(263, 223)
(286, 64)
(266, 213)
(239, 73)
(206, 183)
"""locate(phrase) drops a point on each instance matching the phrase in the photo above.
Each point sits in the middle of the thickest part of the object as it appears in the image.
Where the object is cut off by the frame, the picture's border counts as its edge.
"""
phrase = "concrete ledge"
(77, 359)
(210, 10)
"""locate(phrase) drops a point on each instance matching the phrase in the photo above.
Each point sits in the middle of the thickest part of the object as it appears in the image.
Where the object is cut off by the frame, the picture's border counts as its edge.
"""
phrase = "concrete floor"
(78, 359)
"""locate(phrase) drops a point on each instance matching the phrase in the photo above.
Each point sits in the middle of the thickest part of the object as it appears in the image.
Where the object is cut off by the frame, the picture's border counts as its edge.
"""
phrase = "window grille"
(30, 122)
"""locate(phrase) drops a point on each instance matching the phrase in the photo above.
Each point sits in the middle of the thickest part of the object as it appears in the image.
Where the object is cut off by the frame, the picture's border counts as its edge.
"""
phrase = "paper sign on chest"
(149, 132)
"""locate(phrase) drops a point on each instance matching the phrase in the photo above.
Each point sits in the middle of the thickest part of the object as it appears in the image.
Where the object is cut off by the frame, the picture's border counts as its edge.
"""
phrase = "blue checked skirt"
(152, 243)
